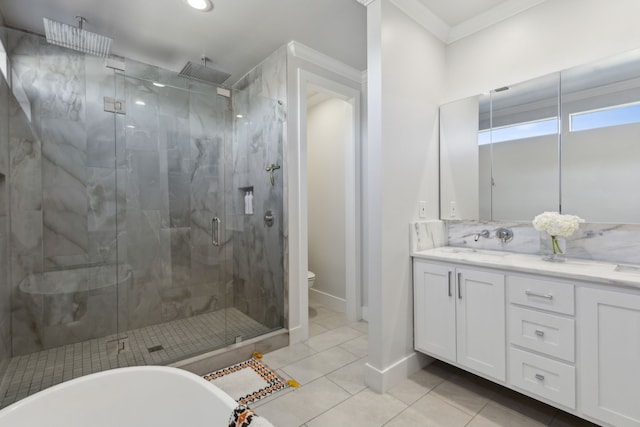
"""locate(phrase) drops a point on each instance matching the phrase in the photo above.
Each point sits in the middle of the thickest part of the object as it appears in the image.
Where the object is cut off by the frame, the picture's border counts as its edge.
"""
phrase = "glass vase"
(553, 248)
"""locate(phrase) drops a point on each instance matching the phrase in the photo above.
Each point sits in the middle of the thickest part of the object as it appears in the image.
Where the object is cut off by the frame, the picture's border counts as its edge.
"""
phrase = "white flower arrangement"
(555, 225)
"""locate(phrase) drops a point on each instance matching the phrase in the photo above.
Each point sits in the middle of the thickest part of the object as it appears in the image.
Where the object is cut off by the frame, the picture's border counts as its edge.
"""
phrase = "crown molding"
(300, 51)
(423, 16)
(490, 17)
(365, 3)
(449, 34)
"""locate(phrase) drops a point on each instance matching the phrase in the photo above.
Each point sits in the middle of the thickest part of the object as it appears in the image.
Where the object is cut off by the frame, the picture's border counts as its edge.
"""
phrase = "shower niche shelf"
(247, 203)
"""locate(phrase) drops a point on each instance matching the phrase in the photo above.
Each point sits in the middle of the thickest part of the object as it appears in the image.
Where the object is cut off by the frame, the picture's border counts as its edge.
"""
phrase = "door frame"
(352, 189)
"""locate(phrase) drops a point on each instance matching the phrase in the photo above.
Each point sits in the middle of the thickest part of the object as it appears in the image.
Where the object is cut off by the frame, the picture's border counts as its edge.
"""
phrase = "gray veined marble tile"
(101, 194)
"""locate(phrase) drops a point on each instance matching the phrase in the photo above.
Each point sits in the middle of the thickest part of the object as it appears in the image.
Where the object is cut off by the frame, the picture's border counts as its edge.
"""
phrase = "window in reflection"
(516, 131)
(604, 117)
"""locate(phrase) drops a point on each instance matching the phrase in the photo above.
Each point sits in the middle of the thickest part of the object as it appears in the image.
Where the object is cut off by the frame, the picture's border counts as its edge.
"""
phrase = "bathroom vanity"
(567, 334)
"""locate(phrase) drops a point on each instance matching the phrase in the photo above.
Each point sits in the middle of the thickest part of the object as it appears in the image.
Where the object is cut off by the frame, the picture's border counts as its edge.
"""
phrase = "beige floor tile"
(415, 387)
(563, 419)
(361, 326)
(431, 411)
(332, 338)
(365, 409)
(463, 394)
(315, 329)
(287, 355)
(320, 364)
(496, 415)
(525, 405)
(332, 322)
(318, 311)
(303, 404)
(358, 346)
(350, 377)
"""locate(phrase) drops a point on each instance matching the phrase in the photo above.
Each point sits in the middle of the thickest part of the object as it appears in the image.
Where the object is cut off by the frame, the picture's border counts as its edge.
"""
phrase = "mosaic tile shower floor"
(168, 342)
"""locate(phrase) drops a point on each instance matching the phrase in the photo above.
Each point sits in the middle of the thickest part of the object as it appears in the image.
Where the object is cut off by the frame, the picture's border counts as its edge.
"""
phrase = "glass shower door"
(172, 225)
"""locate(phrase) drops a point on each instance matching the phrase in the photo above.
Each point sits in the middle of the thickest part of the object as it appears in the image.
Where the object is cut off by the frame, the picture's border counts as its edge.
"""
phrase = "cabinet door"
(481, 322)
(434, 310)
(609, 349)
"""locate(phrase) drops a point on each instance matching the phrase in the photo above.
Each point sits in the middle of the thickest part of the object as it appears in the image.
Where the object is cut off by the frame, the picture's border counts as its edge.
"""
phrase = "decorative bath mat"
(248, 381)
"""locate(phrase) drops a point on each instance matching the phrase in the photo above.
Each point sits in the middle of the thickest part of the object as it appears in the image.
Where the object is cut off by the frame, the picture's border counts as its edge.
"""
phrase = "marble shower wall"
(59, 214)
(139, 190)
(259, 249)
(5, 289)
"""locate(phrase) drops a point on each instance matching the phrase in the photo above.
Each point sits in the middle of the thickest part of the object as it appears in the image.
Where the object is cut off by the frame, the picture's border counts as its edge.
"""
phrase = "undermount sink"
(458, 250)
(628, 268)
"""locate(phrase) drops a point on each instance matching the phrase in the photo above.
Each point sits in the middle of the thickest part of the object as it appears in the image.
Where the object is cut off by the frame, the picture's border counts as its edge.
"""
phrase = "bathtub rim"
(44, 394)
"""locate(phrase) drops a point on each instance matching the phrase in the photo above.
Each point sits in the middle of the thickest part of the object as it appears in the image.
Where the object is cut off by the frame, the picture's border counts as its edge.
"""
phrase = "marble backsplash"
(615, 243)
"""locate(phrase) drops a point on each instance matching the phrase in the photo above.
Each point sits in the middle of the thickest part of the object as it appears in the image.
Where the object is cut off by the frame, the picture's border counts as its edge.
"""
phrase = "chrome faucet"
(504, 234)
(484, 233)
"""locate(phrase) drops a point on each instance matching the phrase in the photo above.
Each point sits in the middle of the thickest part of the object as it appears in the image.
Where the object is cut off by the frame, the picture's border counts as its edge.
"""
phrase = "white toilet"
(311, 277)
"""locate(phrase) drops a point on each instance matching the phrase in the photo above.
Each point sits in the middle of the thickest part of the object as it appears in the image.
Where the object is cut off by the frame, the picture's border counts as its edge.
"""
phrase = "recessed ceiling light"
(140, 103)
(239, 116)
(131, 126)
(201, 5)
(158, 84)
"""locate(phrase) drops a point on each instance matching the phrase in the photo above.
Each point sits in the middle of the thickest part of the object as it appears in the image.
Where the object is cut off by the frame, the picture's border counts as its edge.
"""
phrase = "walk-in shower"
(110, 180)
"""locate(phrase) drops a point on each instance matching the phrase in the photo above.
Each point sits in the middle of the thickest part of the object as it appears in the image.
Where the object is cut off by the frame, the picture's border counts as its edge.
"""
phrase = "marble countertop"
(572, 269)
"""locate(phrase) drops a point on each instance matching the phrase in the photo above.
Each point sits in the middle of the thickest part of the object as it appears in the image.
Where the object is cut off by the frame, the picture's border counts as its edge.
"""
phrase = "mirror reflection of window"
(567, 142)
(518, 141)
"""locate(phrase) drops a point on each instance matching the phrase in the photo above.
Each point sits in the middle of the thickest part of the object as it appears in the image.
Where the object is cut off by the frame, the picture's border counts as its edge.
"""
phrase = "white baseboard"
(365, 313)
(328, 300)
(381, 381)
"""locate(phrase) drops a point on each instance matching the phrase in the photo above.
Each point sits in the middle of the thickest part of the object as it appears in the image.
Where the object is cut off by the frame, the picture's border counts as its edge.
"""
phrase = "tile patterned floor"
(330, 369)
(179, 339)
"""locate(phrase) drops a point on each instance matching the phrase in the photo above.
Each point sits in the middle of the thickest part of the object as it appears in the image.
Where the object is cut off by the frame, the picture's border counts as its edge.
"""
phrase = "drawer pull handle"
(535, 294)
(540, 377)
(459, 286)
(539, 333)
(449, 283)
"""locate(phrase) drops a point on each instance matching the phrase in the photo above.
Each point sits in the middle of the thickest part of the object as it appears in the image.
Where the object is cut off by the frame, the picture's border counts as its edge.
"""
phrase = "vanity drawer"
(547, 378)
(545, 333)
(543, 294)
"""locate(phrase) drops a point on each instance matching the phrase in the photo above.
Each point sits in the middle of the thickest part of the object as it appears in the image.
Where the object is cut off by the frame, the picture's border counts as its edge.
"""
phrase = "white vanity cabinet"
(460, 316)
(609, 351)
(566, 334)
(542, 338)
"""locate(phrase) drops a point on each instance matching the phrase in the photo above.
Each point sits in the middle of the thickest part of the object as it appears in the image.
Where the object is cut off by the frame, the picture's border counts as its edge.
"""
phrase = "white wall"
(552, 36)
(328, 134)
(405, 75)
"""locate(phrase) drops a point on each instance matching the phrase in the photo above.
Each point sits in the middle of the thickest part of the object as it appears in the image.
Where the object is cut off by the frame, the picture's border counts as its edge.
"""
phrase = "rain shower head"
(195, 71)
(76, 38)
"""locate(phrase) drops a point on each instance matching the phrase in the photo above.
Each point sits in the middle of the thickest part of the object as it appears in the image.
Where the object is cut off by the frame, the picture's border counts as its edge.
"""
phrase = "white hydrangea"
(556, 224)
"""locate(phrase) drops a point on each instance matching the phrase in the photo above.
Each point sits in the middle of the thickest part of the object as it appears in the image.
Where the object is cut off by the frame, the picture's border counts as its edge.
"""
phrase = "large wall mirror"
(567, 142)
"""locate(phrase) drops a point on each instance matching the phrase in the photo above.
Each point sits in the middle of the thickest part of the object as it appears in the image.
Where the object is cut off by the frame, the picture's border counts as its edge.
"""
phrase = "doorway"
(330, 136)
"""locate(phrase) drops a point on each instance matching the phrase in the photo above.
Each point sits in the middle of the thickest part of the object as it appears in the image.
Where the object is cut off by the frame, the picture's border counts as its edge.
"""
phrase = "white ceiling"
(238, 34)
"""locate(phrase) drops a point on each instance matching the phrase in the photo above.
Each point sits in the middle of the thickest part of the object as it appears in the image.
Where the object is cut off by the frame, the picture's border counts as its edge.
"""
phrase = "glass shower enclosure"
(125, 238)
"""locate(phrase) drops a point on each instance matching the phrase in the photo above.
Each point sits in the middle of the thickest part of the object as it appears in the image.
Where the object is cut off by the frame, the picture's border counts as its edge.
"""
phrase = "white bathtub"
(138, 396)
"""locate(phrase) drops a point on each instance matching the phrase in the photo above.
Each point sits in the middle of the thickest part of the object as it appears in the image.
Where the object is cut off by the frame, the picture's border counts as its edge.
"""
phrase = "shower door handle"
(215, 231)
